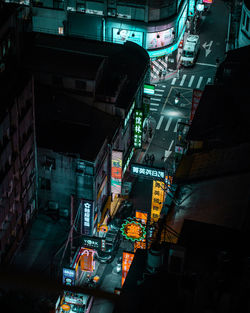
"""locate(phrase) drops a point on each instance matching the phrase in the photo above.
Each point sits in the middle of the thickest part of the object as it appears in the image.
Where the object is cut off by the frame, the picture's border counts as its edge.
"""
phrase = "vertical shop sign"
(87, 217)
(157, 200)
(116, 172)
(142, 217)
(69, 276)
(127, 258)
(87, 260)
(197, 93)
(138, 129)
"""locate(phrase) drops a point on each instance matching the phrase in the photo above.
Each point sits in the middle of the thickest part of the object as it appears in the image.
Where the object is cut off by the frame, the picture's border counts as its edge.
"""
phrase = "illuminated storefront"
(127, 259)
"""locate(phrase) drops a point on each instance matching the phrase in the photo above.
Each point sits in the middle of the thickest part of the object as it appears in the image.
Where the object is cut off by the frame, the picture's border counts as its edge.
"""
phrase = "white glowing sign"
(87, 212)
(140, 170)
(160, 39)
(138, 129)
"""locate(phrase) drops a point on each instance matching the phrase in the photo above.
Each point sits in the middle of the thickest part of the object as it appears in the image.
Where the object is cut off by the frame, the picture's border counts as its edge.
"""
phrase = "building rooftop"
(128, 61)
(222, 117)
(67, 125)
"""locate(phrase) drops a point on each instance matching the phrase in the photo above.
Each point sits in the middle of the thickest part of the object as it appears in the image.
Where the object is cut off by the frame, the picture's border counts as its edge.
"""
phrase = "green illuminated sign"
(133, 230)
(138, 129)
(149, 89)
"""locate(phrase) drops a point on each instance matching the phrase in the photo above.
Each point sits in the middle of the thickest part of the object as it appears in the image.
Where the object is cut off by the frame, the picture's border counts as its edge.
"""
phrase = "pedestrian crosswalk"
(191, 81)
(166, 123)
(157, 67)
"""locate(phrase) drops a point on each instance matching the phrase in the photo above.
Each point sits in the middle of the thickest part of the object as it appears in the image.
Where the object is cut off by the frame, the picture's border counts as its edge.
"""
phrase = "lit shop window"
(97, 12)
(60, 30)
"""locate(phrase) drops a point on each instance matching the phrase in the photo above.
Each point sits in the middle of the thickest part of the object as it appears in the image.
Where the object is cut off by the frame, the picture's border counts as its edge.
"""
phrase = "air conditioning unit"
(2, 67)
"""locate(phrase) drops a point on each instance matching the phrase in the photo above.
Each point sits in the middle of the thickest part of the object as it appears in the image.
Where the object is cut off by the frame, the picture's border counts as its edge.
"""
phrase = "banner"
(116, 172)
(197, 93)
(157, 200)
(87, 217)
(160, 39)
(127, 258)
(122, 35)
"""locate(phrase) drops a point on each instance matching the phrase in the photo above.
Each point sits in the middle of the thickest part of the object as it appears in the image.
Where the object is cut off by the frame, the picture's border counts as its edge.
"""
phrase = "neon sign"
(138, 129)
(133, 230)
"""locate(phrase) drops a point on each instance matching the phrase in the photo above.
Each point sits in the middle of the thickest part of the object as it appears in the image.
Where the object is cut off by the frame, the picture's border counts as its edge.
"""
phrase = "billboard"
(87, 260)
(97, 243)
(87, 216)
(157, 200)
(116, 172)
(122, 35)
(133, 230)
(146, 171)
(138, 128)
(69, 276)
(127, 258)
(197, 93)
(159, 39)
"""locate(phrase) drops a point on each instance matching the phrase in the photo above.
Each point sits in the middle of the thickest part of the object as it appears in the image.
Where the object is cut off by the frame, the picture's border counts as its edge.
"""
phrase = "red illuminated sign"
(127, 258)
(87, 260)
(195, 102)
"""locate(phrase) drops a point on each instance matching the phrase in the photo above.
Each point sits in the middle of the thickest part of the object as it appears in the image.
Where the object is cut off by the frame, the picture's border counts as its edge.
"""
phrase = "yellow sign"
(157, 200)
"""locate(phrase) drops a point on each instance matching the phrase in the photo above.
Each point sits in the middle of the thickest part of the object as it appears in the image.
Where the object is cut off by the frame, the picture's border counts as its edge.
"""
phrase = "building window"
(60, 30)
(79, 84)
(44, 183)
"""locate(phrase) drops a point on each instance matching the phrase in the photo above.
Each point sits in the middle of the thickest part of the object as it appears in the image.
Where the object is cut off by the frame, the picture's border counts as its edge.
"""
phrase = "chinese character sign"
(87, 217)
(127, 258)
(69, 276)
(138, 129)
(116, 172)
(147, 172)
(133, 230)
(142, 217)
(157, 200)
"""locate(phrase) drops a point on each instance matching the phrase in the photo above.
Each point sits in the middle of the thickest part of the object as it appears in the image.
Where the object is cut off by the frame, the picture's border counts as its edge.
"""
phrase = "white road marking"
(170, 146)
(168, 124)
(158, 94)
(152, 109)
(173, 81)
(154, 104)
(183, 79)
(208, 81)
(206, 64)
(191, 81)
(167, 154)
(159, 123)
(160, 85)
(156, 99)
(199, 82)
(159, 90)
(175, 129)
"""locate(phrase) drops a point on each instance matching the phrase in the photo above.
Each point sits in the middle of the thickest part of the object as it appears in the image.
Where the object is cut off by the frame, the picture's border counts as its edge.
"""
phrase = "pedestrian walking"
(164, 72)
(160, 74)
(146, 158)
(217, 61)
(150, 132)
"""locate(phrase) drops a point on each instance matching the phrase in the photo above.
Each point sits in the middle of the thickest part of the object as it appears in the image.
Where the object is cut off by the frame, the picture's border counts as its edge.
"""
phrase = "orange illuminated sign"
(127, 258)
(157, 200)
(65, 307)
(142, 217)
(87, 260)
(133, 230)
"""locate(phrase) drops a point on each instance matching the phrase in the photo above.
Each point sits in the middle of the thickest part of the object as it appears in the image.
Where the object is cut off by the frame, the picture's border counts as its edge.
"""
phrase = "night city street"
(124, 156)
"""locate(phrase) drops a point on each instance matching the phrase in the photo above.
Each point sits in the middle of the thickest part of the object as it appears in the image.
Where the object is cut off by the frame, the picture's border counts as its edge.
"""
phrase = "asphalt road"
(212, 32)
